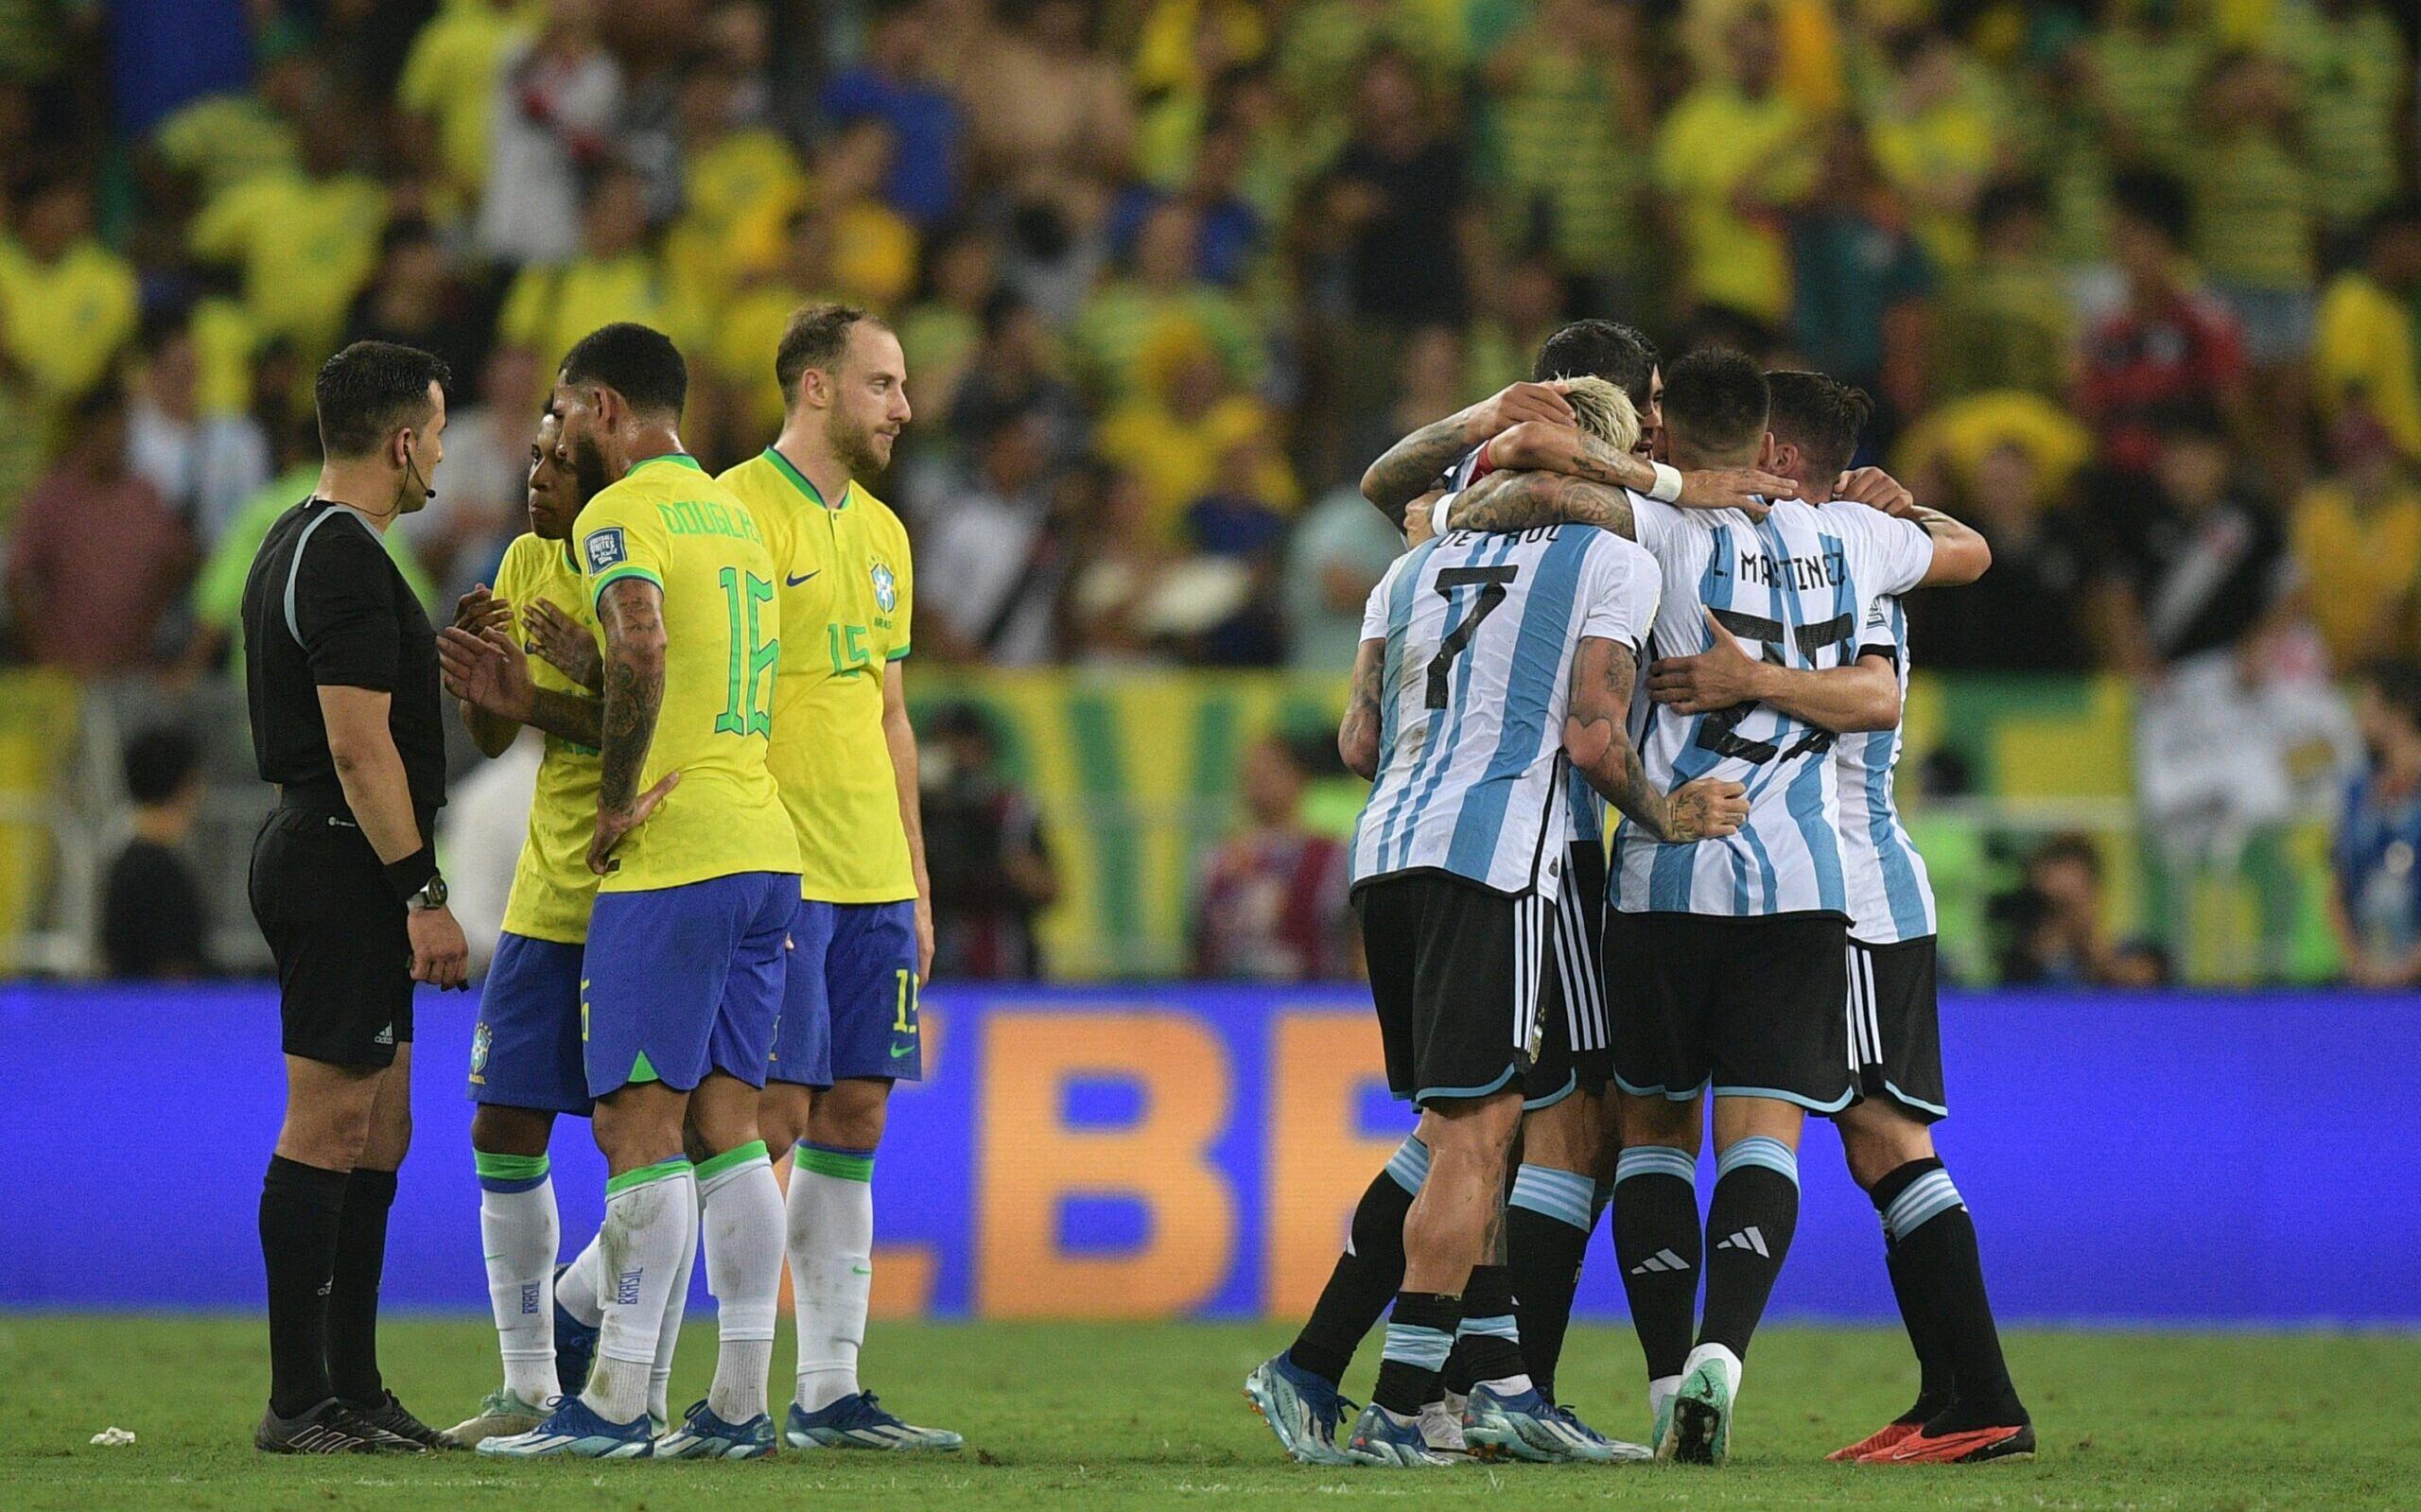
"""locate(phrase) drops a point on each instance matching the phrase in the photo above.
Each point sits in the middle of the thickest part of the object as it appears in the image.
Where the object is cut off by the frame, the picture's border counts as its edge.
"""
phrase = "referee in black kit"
(340, 674)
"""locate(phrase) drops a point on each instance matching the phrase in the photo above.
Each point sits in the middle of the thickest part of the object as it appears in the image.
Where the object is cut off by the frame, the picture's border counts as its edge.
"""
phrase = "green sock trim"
(833, 1163)
(730, 1160)
(509, 1167)
(642, 1071)
(644, 1175)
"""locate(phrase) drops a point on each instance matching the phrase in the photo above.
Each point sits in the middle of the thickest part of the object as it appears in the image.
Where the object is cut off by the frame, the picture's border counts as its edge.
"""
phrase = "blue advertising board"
(1195, 1151)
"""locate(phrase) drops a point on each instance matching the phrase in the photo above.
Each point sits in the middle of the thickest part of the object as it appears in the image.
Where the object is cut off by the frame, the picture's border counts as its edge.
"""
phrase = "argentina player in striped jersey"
(1967, 1410)
(1722, 958)
(1486, 664)
(1603, 375)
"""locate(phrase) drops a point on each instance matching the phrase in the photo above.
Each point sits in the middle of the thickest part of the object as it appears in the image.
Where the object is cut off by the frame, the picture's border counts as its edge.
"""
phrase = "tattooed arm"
(1412, 464)
(490, 673)
(1603, 674)
(1543, 446)
(1357, 739)
(1525, 501)
(630, 615)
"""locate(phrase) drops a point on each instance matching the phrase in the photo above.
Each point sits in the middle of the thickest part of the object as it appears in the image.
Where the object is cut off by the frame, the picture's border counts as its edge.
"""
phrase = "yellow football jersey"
(553, 887)
(847, 596)
(670, 524)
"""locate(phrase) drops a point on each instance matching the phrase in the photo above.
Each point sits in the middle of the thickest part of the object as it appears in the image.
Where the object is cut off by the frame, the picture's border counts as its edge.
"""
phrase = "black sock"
(1658, 1244)
(1547, 1223)
(1456, 1378)
(1936, 1238)
(1370, 1271)
(301, 1208)
(1917, 1312)
(353, 1297)
(1750, 1220)
(1420, 1333)
(1489, 1346)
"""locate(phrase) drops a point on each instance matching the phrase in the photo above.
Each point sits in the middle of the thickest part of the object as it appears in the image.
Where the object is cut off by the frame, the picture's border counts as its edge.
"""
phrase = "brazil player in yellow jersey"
(526, 1053)
(845, 758)
(526, 1064)
(698, 868)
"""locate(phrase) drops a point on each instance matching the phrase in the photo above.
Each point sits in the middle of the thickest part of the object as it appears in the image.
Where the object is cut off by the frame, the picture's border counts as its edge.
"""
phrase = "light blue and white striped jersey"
(1584, 804)
(1793, 589)
(1480, 633)
(1891, 897)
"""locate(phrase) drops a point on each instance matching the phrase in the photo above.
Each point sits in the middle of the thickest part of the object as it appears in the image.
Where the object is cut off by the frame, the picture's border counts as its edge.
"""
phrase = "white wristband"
(1437, 513)
(1668, 484)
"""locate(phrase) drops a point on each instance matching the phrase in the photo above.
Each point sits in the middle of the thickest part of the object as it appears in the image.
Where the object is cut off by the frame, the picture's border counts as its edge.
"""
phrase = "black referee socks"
(1368, 1273)
(301, 1208)
(1657, 1244)
(352, 1295)
(1933, 1239)
(1748, 1223)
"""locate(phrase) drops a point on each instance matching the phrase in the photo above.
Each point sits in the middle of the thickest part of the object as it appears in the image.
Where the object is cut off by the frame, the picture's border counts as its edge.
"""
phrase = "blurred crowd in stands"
(2135, 286)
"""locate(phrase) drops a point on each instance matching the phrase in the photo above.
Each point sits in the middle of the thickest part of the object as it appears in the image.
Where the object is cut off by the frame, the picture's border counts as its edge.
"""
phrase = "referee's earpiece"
(412, 465)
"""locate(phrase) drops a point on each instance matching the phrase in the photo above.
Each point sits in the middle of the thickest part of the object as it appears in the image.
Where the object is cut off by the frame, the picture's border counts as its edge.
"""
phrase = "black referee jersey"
(324, 605)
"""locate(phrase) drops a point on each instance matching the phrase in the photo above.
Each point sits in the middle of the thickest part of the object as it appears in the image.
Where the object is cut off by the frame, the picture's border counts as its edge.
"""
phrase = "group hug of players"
(715, 936)
(1665, 590)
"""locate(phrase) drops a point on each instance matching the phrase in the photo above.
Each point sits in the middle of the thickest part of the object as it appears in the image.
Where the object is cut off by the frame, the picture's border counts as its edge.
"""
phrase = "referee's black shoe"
(391, 1429)
(326, 1429)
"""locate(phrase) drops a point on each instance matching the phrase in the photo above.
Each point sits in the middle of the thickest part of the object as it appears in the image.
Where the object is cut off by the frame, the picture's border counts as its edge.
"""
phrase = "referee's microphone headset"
(413, 461)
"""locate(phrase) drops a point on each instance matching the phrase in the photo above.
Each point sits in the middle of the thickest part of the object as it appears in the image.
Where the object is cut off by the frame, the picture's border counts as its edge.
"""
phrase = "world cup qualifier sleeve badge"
(605, 548)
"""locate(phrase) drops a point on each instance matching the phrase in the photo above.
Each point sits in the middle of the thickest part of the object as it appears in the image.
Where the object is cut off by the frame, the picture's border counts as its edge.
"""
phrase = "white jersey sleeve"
(1887, 555)
(1374, 609)
(1620, 590)
(1890, 898)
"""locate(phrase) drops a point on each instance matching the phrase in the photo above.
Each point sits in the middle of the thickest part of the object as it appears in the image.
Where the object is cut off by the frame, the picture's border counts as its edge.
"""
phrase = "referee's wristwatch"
(431, 895)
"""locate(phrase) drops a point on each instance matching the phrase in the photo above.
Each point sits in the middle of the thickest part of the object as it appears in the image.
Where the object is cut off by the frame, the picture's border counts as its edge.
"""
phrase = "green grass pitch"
(1150, 1417)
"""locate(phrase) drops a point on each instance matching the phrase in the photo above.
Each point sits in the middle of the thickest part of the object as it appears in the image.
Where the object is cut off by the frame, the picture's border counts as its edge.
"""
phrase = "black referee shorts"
(344, 958)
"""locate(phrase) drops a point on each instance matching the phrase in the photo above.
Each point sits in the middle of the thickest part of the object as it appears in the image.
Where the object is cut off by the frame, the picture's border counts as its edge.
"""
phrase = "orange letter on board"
(1032, 1162)
(1320, 1160)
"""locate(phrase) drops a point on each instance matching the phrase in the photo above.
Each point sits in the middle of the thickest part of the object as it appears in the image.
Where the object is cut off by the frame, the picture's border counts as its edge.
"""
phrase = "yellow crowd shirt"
(668, 523)
(553, 887)
(846, 594)
(66, 320)
(306, 247)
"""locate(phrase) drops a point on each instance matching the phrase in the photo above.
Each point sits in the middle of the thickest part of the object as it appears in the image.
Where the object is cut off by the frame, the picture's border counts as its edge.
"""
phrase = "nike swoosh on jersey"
(897, 1051)
(794, 582)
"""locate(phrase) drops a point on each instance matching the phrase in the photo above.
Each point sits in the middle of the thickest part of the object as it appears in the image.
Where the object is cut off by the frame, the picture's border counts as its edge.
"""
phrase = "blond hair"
(1603, 410)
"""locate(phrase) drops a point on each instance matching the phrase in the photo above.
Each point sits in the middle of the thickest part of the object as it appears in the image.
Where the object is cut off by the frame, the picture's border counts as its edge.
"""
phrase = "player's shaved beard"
(852, 445)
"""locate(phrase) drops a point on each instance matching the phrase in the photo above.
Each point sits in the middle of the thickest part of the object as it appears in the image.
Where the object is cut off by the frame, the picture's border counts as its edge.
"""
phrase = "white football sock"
(742, 1208)
(668, 1338)
(1659, 1391)
(651, 1222)
(519, 1236)
(576, 1290)
(831, 1254)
